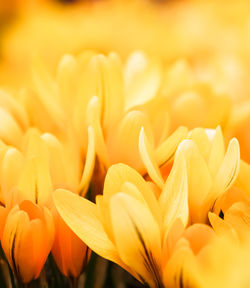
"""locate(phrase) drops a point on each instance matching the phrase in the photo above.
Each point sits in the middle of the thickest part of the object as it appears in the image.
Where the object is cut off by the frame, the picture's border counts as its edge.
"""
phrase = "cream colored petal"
(89, 163)
(165, 152)
(119, 174)
(148, 159)
(137, 237)
(174, 197)
(83, 217)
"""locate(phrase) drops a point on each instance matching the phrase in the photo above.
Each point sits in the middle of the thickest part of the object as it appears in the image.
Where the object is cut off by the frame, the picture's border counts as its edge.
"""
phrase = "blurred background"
(214, 36)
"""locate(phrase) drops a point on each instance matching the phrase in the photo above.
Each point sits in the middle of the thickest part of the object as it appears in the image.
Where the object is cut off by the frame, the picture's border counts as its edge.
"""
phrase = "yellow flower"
(95, 90)
(129, 225)
(43, 165)
(211, 170)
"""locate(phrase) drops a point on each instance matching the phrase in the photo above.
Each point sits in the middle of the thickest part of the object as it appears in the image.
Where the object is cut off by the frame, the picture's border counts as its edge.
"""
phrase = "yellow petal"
(15, 108)
(243, 178)
(113, 91)
(119, 174)
(217, 152)
(238, 216)
(142, 79)
(227, 173)
(221, 227)
(138, 238)
(148, 159)
(89, 163)
(93, 118)
(122, 142)
(201, 139)
(174, 197)
(66, 77)
(83, 217)
(199, 179)
(57, 157)
(181, 270)
(47, 92)
(10, 131)
(12, 166)
(165, 152)
(34, 182)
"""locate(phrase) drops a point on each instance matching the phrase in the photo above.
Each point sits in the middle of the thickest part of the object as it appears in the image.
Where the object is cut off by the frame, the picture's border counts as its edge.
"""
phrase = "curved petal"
(148, 159)
(94, 120)
(138, 238)
(199, 179)
(174, 197)
(165, 152)
(89, 163)
(227, 173)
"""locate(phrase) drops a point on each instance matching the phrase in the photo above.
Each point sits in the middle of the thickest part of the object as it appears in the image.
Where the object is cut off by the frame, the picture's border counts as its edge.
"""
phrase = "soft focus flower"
(27, 239)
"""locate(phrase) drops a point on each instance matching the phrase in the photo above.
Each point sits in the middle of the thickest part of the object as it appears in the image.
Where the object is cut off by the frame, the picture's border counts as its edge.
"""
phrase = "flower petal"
(165, 152)
(89, 163)
(138, 238)
(148, 159)
(174, 197)
(119, 174)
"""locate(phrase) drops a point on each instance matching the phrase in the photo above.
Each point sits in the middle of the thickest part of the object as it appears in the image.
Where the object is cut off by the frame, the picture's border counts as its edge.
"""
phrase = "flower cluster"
(143, 162)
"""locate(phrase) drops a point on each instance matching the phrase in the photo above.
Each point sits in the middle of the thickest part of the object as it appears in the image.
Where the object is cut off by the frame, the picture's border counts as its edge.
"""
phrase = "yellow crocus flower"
(129, 225)
(94, 90)
(211, 170)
